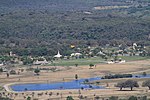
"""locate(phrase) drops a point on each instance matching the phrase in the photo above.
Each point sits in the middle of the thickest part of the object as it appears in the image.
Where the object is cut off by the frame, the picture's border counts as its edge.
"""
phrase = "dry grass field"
(68, 73)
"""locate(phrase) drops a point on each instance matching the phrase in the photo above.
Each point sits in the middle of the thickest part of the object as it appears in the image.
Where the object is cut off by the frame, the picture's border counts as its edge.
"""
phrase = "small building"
(58, 55)
(75, 55)
(41, 62)
(1, 64)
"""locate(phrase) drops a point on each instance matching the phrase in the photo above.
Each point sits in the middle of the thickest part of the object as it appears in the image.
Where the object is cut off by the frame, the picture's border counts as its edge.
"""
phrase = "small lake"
(75, 84)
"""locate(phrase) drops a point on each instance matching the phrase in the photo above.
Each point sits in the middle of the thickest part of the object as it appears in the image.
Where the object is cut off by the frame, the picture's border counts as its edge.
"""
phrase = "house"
(75, 55)
(41, 62)
(1, 64)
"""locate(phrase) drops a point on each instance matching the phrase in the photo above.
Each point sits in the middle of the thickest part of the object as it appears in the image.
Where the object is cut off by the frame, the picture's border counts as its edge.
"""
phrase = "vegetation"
(37, 71)
(69, 98)
(76, 76)
(117, 76)
(82, 61)
(12, 72)
(146, 84)
(1, 70)
(133, 98)
(144, 73)
(113, 98)
(127, 84)
(3, 98)
(91, 65)
(41, 29)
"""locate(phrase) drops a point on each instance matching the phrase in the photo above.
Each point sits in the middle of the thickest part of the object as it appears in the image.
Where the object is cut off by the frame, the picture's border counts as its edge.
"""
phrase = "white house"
(1, 64)
(75, 55)
(37, 62)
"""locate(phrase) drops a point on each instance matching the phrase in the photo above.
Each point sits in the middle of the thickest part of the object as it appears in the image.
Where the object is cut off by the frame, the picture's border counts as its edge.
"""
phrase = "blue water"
(141, 76)
(76, 84)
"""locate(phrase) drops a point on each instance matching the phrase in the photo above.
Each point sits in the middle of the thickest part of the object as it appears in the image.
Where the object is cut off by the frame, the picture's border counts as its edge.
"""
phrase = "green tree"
(28, 98)
(132, 98)
(91, 65)
(146, 84)
(37, 71)
(127, 84)
(76, 76)
(1, 70)
(144, 73)
(69, 98)
(27, 61)
(76, 65)
(113, 98)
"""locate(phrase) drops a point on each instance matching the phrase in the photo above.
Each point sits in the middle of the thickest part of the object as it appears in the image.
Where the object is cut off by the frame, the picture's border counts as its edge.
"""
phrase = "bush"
(1, 70)
(144, 73)
(37, 71)
(132, 98)
(113, 98)
(127, 84)
(12, 72)
(117, 76)
(146, 84)
(2, 98)
(69, 98)
(28, 98)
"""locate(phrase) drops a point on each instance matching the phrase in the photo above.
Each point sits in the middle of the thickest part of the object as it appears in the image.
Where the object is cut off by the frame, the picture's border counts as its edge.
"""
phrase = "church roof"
(58, 55)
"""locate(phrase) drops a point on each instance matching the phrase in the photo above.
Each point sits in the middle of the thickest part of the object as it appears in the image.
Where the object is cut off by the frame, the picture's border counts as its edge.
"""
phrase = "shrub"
(113, 98)
(117, 76)
(132, 98)
(12, 72)
(127, 84)
(37, 71)
(1, 70)
(144, 73)
(146, 84)
(69, 98)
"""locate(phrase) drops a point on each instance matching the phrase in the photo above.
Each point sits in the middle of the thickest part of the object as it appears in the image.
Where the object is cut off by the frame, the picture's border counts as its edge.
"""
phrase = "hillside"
(57, 24)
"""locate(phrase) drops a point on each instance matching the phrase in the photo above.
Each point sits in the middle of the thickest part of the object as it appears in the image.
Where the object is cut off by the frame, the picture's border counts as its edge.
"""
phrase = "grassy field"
(133, 58)
(96, 60)
(72, 62)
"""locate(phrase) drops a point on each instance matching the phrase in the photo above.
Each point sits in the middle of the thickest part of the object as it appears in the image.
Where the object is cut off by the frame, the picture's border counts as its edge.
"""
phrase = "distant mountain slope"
(56, 24)
(58, 5)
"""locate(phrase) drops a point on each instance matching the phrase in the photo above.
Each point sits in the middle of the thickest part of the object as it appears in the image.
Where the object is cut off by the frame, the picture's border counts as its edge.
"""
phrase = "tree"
(1, 70)
(91, 65)
(132, 98)
(76, 65)
(144, 73)
(69, 98)
(146, 84)
(7, 75)
(121, 85)
(12, 72)
(27, 60)
(127, 84)
(113, 98)
(76, 76)
(37, 71)
(28, 98)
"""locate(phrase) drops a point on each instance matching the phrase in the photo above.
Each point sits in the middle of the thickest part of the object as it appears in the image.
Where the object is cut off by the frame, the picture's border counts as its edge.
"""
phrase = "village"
(91, 62)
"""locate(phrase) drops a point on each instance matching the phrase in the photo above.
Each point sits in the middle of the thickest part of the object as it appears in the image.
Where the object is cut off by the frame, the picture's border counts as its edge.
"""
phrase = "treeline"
(117, 76)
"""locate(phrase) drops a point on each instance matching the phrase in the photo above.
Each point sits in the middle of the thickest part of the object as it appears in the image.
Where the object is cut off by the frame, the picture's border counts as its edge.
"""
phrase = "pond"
(75, 84)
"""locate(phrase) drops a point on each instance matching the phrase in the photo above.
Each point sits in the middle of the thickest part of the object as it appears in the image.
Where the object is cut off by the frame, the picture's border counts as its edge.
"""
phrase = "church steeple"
(58, 55)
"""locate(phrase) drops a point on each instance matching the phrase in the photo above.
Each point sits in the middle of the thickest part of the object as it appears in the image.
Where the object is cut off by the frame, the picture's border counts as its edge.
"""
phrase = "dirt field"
(68, 73)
